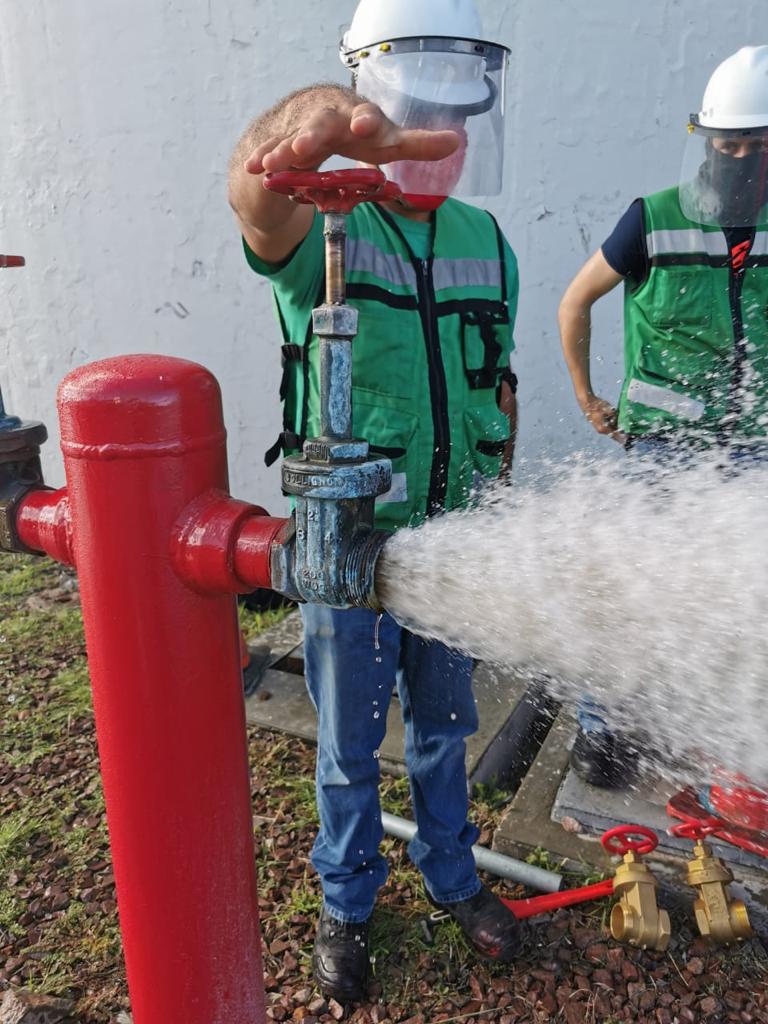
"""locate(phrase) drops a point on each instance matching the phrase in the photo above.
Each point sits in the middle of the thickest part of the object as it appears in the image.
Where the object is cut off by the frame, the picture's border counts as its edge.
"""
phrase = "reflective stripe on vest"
(688, 240)
(665, 399)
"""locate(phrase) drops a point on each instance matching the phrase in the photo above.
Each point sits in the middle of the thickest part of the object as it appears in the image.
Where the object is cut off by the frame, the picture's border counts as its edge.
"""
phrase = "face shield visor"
(437, 84)
(724, 179)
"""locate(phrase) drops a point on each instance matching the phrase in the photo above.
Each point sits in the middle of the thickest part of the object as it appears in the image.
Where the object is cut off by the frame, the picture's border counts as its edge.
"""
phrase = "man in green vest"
(694, 263)
(436, 287)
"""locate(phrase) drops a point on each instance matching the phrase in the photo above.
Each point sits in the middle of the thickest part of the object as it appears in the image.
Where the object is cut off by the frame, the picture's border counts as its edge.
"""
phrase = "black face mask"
(740, 184)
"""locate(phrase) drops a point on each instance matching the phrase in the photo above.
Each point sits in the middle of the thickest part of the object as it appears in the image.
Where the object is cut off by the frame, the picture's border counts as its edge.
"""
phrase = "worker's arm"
(301, 132)
(595, 279)
(508, 405)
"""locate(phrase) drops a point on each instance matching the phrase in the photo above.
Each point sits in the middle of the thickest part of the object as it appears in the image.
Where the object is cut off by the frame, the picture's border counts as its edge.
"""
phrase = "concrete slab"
(555, 811)
(600, 809)
(512, 719)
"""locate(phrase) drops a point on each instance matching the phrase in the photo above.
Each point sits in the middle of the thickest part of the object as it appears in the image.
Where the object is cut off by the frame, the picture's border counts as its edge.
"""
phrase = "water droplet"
(378, 659)
(377, 754)
(453, 716)
(376, 714)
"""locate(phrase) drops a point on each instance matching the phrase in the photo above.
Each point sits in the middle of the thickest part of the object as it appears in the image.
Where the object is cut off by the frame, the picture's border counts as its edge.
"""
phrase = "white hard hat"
(736, 97)
(378, 21)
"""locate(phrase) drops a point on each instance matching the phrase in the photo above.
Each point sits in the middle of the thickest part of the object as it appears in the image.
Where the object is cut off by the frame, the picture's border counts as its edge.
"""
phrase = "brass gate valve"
(720, 918)
(636, 918)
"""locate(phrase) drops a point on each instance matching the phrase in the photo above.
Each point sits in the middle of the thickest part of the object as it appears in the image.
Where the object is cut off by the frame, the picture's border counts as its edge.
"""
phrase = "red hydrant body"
(143, 439)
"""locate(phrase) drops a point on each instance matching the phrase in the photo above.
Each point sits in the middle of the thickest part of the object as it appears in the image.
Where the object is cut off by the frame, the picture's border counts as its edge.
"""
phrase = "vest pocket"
(486, 430)
(681, 296)
(385, 350)
(390, 433)
(481, 346)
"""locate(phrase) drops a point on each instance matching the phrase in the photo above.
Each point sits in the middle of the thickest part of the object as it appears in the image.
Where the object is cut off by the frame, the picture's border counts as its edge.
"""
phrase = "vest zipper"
(735, 390)
(438, 387)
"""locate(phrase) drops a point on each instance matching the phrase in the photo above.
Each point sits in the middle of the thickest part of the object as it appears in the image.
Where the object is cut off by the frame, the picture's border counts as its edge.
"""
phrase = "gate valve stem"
(335, 481)
(636, 918)
(720, 919)
(335, 194)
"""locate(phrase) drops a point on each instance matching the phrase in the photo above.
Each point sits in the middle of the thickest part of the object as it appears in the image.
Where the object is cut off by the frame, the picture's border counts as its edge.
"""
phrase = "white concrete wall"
(118, 119)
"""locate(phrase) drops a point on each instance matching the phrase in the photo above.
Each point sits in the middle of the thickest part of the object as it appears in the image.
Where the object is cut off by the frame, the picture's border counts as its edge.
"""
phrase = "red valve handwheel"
(618, 842)
(693, 830)
(11, 261)
(687, 807)
(333, 191)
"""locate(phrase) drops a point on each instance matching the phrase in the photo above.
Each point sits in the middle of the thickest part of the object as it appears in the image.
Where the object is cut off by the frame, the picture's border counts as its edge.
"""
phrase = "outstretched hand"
(362, 133)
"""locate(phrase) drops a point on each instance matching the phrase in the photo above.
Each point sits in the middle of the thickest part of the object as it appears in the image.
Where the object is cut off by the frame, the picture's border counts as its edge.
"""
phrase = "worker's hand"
(361, 132)
(601, 414)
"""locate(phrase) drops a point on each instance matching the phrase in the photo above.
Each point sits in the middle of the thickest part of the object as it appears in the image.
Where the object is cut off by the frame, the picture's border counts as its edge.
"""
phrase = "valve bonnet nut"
(334, 321)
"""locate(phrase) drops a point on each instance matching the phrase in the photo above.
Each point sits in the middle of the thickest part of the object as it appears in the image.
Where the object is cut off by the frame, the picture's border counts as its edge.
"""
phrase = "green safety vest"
(695, 331)
(433, 344)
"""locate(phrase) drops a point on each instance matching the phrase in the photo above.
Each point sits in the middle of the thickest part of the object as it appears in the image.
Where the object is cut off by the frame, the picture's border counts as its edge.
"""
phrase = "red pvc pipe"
(143, 439)
(554, 900)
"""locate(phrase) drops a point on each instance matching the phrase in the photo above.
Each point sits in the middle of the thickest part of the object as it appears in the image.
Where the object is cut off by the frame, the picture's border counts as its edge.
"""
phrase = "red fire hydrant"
(160, 549)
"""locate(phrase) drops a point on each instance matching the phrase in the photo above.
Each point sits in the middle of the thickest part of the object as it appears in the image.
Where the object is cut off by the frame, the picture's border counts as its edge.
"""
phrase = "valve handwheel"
(694, 829)
(333, 191)
(620, 840)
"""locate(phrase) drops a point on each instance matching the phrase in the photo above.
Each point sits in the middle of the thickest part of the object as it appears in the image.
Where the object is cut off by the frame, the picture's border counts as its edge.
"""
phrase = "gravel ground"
(58, 924)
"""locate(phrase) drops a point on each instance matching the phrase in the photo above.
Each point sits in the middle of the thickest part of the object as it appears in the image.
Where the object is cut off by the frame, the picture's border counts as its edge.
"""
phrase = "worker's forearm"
(255, 207)
(575, 335)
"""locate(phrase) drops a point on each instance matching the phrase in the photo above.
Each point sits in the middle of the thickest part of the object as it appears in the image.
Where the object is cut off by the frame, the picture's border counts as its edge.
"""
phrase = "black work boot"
(489, 925)
(340, 960)
(604, 759)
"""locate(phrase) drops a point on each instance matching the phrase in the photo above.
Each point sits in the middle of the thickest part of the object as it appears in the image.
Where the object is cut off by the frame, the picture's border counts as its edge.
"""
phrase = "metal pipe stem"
(335, 352)
(336, 389)
(335, 234)
(486, 860)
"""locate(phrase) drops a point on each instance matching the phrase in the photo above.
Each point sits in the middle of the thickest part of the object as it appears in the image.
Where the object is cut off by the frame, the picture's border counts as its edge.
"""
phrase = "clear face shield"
(437, 84)
(724, 180)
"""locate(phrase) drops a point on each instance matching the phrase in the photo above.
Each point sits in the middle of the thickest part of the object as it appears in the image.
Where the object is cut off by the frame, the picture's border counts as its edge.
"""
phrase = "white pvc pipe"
(486, 860)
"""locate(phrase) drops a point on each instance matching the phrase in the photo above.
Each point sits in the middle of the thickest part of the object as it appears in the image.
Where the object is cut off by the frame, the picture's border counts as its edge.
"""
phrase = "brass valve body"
(721, 919)
(637, 918)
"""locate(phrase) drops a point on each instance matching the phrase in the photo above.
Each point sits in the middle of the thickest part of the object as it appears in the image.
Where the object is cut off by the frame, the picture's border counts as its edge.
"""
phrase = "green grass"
(252, 623)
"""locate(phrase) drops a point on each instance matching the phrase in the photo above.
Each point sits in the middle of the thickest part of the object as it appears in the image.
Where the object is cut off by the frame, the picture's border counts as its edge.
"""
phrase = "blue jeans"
(350, 681)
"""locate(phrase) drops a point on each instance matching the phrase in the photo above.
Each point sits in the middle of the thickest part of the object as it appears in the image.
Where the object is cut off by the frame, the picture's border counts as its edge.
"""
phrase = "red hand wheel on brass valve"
(333, 191)
(619, 841)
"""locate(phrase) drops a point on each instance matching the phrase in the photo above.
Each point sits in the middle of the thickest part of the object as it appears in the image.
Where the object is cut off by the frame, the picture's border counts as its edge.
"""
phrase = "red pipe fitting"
(143, 439)
(222, 545)
(44, 523)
